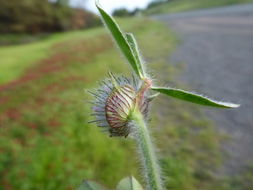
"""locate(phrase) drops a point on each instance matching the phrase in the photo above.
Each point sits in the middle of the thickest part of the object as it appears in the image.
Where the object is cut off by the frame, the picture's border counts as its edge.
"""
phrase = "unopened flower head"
(116, 100)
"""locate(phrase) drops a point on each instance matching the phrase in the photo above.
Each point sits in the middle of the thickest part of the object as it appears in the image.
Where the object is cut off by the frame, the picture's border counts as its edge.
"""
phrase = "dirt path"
(217, 49)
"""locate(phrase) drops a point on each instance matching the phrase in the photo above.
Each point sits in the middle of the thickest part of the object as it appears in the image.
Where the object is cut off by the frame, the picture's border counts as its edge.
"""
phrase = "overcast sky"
(109, 5)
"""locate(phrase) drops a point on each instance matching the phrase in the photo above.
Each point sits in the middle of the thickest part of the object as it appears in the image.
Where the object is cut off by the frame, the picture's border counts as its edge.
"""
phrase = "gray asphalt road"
(217, 49)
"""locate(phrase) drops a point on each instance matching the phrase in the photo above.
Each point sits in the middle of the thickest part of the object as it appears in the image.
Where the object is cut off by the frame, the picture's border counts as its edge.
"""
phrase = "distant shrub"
(121, 12)
(156, 3)
(83, 19)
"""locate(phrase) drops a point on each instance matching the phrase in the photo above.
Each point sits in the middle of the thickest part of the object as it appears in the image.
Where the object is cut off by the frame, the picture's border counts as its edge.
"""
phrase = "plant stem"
(147, 152)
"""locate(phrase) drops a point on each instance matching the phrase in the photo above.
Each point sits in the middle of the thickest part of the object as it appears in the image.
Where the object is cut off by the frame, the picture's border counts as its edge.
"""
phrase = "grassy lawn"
(45, 140)
(187, 5)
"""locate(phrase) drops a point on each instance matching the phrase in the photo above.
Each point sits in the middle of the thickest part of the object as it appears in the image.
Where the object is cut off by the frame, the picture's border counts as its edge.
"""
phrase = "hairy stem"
(147, 152)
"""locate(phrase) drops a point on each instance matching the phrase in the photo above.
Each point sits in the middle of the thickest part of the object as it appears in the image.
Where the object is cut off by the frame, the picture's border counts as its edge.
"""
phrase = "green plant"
(121, 106)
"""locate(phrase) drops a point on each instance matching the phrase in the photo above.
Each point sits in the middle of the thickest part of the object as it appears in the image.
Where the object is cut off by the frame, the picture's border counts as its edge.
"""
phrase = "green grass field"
(45, 140)
(188, 5)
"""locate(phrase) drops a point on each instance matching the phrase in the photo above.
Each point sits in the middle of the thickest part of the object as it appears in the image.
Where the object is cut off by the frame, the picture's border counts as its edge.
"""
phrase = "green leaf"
(121, 40)
(136, 52)
(129, 183)
(194, 98)
(90, 185)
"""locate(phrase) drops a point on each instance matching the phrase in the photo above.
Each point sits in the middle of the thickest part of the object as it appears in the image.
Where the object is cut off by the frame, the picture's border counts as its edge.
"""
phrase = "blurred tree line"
(123, 12)
(38, 16)
(157, 2)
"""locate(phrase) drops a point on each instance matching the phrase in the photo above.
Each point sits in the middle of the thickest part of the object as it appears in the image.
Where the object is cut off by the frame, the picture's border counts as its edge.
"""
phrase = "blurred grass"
(187, 5)
(11, 39)
(45, 140)
(16, 59)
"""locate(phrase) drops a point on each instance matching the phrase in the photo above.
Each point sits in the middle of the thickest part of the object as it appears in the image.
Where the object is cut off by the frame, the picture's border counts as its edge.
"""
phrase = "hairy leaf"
(194, 98)
(121, 40)
(136, 52)
(129, 183)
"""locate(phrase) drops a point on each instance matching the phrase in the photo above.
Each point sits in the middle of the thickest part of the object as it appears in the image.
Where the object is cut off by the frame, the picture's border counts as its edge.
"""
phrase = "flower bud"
(115, 102)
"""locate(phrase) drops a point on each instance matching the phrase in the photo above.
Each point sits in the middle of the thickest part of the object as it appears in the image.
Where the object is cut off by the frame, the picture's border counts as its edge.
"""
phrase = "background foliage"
(29, 16)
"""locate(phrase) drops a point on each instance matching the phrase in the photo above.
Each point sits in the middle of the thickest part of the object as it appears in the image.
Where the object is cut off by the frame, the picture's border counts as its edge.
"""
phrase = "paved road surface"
(217, 48)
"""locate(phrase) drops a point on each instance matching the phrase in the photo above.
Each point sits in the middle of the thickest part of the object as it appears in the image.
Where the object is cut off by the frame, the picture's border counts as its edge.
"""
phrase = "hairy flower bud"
(115, 101)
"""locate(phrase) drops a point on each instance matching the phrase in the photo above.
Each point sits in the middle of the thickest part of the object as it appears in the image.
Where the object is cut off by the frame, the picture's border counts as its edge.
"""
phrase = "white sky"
(109, 5)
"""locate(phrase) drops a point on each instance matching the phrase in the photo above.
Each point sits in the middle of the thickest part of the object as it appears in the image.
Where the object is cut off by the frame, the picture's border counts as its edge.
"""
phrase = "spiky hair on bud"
(114, 103)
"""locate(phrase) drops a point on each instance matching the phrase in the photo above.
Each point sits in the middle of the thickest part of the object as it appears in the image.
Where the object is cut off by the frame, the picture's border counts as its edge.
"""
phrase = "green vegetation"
(33, 17)
(45, 140)
(173, 6)
(16, 59)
